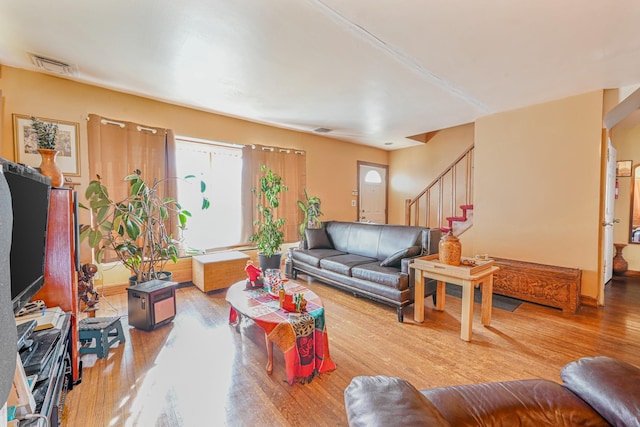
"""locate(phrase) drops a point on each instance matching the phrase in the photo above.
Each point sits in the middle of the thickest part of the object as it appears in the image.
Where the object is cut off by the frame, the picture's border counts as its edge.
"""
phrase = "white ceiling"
(373, 71)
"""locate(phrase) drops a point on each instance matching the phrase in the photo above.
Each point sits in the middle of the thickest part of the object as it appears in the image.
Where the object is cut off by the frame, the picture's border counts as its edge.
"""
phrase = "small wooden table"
(466, 276)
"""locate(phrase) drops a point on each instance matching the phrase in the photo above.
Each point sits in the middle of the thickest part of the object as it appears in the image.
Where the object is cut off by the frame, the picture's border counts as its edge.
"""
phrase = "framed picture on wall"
(67, 144)
(623, 168)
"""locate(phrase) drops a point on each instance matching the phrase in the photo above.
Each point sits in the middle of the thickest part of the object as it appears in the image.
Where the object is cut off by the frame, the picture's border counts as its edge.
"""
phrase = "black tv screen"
(30, 206)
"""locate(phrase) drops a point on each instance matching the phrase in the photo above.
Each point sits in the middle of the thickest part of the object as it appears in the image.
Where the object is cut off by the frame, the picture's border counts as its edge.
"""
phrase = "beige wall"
(537, 185)
(627, 143)
(331, 164)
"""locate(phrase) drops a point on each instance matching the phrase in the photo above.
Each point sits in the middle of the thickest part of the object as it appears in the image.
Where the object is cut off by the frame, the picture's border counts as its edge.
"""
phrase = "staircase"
(446, 203)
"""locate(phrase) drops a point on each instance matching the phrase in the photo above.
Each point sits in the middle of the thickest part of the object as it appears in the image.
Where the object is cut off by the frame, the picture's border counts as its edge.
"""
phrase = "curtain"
(291, 166)
(117, 148)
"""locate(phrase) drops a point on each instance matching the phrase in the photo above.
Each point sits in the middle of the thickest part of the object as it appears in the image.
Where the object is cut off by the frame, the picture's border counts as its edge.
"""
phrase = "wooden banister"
(446, 186)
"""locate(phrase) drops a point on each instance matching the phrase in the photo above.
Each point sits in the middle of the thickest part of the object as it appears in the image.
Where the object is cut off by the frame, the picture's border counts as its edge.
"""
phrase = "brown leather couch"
(595, 391)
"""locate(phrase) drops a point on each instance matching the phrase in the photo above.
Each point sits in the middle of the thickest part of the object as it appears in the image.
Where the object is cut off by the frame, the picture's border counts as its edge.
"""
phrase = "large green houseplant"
(269, 234)
(310, 207)
(137, 228)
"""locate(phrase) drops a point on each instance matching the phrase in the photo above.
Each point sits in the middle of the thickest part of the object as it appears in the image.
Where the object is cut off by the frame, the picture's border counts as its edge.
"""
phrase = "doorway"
(372, 192)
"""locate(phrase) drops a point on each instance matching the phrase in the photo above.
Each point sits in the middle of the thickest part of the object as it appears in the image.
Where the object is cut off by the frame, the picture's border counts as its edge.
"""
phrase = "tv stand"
(53, 377)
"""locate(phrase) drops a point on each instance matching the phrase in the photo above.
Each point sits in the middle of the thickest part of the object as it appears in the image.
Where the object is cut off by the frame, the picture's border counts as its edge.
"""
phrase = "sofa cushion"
(531, 402)
(343, 263)
(394, 238)
(388, 276)
(395, 259)
(317, 238)
(610, 386)
(385, 401)
(313, 256)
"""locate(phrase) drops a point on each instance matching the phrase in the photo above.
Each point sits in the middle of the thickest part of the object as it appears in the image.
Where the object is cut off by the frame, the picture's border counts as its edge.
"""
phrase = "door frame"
(617, 114)
(361, 163)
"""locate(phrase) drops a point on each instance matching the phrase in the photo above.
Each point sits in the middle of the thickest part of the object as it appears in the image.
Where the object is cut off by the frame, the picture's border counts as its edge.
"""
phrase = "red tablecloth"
(301, 337)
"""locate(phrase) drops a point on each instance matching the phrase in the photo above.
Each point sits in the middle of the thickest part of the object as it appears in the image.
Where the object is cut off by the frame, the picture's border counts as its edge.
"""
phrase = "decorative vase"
(620, 265)
(48, 166)
(449, 249)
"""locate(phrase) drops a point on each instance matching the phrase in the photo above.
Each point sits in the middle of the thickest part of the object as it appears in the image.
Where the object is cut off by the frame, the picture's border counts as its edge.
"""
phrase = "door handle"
(615, 221)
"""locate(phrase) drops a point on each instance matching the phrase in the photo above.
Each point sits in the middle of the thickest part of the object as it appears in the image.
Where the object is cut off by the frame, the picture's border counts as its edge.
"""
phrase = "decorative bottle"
(449, 249)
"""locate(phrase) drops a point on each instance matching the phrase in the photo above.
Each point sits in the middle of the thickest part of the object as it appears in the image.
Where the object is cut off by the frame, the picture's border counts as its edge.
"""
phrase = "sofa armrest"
(609, 386)
(385, 401)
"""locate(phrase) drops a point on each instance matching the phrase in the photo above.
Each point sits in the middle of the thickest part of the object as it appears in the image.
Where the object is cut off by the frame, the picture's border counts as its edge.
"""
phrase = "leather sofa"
(595, 391)
(369, 260)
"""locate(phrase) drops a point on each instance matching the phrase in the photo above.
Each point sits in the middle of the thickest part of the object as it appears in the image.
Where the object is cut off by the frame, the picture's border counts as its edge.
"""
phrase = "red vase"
(48, 166)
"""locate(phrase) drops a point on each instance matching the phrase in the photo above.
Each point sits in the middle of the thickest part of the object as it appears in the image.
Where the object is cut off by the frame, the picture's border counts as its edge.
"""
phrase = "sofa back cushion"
(610, 386)
(377, 241)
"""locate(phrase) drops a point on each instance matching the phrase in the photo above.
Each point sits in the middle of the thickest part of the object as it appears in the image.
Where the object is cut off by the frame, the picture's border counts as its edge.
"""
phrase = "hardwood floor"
(198, 371)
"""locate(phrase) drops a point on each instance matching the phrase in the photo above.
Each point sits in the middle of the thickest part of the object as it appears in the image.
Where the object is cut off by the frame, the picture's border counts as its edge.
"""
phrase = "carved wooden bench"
(539, 283)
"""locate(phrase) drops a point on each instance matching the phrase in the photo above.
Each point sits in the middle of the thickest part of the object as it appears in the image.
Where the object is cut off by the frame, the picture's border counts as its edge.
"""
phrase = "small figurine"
(254, 275)
(86, 290)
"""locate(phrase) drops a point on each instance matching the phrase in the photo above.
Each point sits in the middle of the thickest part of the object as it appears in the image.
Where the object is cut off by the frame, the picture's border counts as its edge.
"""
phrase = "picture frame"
(623, 168)
(67, 144)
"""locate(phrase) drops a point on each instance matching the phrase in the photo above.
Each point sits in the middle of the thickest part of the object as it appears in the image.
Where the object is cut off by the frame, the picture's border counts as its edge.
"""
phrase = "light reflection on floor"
(196, 385)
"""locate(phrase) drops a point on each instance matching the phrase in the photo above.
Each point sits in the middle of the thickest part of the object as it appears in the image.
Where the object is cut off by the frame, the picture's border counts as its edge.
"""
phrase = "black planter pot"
(167, 276)
(269, 262)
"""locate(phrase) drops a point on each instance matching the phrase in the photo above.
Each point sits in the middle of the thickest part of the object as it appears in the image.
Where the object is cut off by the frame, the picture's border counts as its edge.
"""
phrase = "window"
(220, 166)
(373, 177)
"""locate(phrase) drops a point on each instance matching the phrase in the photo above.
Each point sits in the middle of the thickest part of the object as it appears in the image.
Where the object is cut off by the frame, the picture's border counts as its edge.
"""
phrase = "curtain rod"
(111, 122)
(280, 150)
(141, 128)
(208, 141)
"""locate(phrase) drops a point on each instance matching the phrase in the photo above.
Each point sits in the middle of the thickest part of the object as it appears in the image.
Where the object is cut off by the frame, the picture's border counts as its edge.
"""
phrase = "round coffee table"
(302, 337)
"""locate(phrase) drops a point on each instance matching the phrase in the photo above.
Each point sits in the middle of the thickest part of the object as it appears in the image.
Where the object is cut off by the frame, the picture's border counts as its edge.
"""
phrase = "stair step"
(456, 218)
(466, 207)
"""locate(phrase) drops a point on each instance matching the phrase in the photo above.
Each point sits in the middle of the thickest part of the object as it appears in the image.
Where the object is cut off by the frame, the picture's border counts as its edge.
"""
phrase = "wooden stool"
(105, 330)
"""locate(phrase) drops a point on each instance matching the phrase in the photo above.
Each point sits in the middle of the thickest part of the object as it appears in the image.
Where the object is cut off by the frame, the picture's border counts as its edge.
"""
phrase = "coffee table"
(302, 337)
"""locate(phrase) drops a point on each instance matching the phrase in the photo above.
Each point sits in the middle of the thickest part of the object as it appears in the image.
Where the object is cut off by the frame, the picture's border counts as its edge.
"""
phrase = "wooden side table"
(467, 277)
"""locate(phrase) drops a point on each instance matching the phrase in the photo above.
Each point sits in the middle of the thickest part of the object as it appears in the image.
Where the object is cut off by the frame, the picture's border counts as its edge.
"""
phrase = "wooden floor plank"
(200, 371)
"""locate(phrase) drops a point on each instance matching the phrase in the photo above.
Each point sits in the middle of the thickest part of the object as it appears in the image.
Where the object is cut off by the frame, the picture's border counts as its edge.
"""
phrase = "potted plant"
(137, 228)
(310, 207)
(269, 234)
(46, 135)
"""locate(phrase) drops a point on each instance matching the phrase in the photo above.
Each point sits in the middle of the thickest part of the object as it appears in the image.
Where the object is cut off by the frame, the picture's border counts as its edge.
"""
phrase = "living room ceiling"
(372, 72)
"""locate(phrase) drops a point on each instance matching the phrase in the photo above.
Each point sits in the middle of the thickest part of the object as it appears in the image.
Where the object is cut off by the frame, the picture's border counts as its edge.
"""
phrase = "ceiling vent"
(322, 130)
(52, 66)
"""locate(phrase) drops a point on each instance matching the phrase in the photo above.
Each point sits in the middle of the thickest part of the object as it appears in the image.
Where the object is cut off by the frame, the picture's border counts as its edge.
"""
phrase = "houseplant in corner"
(269, 234)
(46, 134)
(137, 228)
(310, 207)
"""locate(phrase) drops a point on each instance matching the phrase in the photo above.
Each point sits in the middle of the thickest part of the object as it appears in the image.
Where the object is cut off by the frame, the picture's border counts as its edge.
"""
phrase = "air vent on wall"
(322, 130)
(52, 66)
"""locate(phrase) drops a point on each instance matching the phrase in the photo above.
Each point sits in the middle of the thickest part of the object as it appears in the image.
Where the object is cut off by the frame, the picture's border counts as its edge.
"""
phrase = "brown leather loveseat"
(595, 391)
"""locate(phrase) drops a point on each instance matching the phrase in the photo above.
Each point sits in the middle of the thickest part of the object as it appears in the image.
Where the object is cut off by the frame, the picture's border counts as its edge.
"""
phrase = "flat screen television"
(30, 206)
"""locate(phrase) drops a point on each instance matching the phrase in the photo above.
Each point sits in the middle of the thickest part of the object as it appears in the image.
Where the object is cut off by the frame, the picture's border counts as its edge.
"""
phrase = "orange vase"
(48, 166)
(449, 249)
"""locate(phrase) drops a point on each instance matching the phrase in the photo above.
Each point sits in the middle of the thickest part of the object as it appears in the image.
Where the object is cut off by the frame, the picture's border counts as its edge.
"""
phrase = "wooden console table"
(468, 277)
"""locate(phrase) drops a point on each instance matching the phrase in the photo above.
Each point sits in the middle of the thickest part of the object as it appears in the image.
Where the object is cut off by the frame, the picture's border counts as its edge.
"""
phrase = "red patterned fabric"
(301, 337)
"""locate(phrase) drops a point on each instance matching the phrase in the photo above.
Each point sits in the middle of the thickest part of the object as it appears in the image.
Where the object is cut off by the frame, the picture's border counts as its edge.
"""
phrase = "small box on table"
(218, 270)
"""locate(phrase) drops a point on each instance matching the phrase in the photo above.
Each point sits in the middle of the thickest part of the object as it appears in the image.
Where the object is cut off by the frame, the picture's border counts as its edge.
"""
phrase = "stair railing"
(442, 197)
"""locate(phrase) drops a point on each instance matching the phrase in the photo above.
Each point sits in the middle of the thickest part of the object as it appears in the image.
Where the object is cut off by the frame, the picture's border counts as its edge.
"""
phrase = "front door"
(372, 183)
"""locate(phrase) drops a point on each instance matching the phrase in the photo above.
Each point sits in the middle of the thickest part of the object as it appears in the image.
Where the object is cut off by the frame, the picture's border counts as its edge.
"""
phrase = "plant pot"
(166, 276)
(48, 166)
(270, 262)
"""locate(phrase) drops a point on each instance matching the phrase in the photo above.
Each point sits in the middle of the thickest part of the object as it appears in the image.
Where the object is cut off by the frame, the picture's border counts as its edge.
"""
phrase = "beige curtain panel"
(291, 166)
